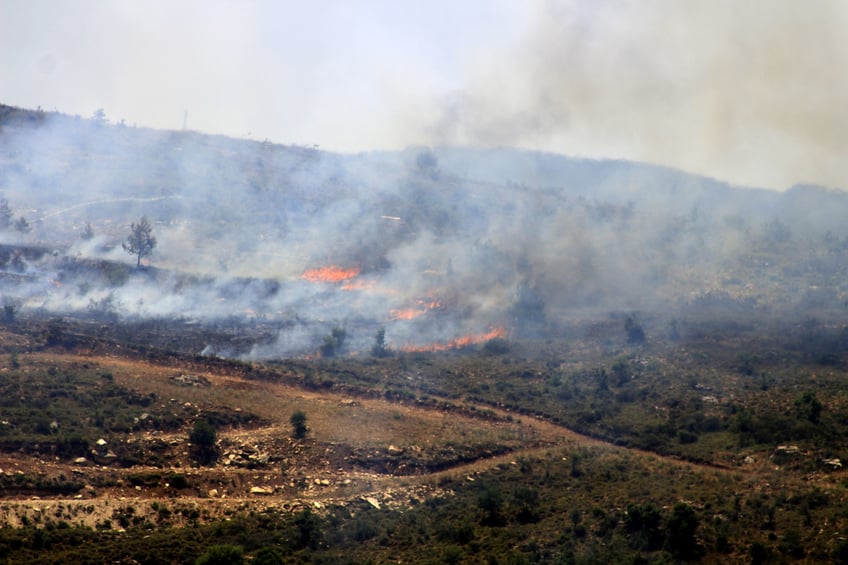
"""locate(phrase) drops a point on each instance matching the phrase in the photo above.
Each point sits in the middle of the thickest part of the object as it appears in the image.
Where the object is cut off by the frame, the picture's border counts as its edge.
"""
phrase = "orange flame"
(359, 285)
(412, 313)
(405, 314)
(331, 274)
(457, 343)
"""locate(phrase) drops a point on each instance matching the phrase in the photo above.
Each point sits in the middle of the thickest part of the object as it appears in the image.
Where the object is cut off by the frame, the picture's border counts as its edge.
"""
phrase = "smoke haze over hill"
(434, 244)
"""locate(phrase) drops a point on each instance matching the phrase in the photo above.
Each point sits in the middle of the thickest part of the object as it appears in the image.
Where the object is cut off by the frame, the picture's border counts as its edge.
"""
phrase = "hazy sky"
(748, 91)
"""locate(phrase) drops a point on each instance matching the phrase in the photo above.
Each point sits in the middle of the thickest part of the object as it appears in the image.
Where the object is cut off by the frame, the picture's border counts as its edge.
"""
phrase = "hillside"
(502, 356)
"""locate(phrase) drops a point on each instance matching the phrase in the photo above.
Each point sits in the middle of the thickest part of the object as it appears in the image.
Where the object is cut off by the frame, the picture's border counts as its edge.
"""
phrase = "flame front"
(331, 274)
(458, 343)
(412, 313)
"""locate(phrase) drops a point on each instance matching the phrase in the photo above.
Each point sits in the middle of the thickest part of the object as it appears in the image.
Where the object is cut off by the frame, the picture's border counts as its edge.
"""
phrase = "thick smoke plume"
(749, 92)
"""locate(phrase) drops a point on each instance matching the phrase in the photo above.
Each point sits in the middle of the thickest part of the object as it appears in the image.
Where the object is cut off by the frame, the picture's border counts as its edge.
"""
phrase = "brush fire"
(331, 274)
(458, 343)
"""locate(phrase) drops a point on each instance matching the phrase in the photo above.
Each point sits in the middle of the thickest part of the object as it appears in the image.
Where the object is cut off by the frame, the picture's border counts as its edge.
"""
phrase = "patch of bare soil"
(358, 451)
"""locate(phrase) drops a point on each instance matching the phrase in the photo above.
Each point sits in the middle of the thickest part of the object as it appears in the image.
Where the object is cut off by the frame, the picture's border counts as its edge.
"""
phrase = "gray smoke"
(750, 92)
(440, 242)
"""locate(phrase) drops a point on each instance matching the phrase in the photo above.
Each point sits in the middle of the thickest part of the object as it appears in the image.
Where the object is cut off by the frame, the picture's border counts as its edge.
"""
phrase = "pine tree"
(140, 242)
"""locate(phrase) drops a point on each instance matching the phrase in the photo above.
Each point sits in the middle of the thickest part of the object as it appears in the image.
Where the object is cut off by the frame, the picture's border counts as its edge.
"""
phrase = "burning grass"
(457, 343)
(423, 307)
(330, 274)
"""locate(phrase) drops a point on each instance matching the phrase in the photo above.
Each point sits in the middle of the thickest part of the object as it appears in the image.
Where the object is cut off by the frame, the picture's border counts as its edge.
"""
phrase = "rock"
(213, 493)
(834, 463)
(80, 461)
(192, 380)
(785, 453)
(101, 442)
(261, 491)
(372, 501)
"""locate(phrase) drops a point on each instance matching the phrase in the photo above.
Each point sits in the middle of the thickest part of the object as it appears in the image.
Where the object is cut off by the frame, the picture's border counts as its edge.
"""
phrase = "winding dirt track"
(225, 489)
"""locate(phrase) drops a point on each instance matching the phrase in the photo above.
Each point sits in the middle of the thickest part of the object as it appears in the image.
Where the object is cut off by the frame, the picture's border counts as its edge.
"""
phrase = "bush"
(643, 523)
(680, 531)
(298, 423)
(308, 527)
(809, 407)
(490, 501)
(222, 555)
(203, 434)
(203, 438)
(267, 556)
(686, 437)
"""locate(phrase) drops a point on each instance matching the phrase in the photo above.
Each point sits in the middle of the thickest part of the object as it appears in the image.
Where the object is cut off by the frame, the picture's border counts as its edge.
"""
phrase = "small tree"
(99, 116)
(10, 309)
(5, 214)
(203, 438)
(22, 226)
(140, 242)
(379, 349)
(298, 422)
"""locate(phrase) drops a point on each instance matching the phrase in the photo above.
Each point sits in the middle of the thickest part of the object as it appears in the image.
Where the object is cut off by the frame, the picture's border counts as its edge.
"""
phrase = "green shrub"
(224, 554)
